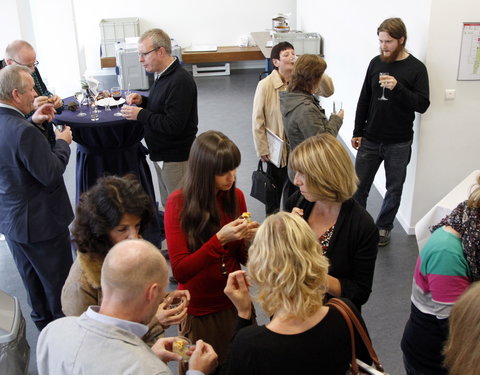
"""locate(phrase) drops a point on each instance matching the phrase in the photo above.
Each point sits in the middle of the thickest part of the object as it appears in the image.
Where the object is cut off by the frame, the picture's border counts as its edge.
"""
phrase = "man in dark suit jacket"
(35, 210)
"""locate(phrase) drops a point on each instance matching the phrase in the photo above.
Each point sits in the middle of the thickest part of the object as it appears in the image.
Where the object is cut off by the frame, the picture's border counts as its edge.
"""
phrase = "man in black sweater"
(384, 119)
(169, 113)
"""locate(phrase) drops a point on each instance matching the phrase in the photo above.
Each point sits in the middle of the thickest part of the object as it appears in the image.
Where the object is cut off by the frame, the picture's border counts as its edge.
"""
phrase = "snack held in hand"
(181, 346)
(247, 216)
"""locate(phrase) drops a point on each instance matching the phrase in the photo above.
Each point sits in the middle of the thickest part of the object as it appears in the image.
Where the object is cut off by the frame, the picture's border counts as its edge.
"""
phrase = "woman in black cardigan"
(327, 181)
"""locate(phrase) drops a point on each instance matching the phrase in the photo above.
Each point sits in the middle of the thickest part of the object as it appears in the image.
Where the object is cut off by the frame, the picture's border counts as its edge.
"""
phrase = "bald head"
(20, 52)
(130, 267)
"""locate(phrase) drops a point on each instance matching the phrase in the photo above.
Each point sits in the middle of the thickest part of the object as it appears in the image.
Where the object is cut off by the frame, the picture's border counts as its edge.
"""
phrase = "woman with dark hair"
(301, 111)
(114, 209)
(207, 238)
(446, 266)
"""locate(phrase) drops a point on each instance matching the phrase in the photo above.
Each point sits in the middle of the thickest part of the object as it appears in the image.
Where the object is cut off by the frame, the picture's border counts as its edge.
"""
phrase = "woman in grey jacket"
(302, 115)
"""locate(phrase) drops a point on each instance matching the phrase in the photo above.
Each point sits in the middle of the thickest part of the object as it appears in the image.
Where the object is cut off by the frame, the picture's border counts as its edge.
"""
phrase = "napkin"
(92, 84)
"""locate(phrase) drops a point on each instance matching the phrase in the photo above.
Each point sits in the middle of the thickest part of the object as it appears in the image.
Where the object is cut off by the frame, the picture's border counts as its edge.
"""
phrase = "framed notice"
(469, 64)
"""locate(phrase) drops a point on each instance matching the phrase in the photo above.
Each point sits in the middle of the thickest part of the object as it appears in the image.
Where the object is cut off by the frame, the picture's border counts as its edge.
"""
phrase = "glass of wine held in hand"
(383, 76)
(116, 95)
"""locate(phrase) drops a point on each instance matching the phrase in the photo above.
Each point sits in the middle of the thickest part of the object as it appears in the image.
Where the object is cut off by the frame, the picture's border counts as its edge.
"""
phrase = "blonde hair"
(287, 265)
(462, 352)
(327, 167)
(474, 198)
(159, 39)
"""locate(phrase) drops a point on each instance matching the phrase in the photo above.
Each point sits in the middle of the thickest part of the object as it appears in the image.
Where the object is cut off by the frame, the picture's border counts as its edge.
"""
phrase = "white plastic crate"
(114, 30)
(302, 42)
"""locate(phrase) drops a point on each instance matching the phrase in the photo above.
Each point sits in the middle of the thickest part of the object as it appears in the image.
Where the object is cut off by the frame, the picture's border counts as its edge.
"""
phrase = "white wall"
(445, 148)
(450, 131)
(189, 22)
(349, 29)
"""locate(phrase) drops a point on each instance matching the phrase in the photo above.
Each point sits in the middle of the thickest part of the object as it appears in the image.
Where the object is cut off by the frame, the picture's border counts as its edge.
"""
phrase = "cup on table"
(92, 105)
(183, 347)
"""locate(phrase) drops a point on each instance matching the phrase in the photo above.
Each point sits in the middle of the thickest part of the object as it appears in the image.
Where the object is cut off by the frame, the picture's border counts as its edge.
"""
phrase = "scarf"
(466, 221)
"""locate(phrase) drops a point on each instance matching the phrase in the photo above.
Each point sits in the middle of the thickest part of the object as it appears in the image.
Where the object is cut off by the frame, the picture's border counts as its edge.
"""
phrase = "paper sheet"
(275, 146)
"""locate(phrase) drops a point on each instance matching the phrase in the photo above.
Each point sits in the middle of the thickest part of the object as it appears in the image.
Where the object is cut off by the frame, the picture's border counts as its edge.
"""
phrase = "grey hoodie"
(303, 117)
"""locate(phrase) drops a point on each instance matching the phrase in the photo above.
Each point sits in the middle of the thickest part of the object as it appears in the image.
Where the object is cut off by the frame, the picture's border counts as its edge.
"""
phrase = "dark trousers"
(43, 267)
(396, 157)
(280, 177)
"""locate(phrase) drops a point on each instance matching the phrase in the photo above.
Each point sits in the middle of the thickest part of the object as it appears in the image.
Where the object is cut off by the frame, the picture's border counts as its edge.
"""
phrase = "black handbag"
(263, 186)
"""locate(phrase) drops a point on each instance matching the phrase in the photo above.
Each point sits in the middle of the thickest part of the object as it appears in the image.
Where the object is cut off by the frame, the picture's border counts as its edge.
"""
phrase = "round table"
(110, 146)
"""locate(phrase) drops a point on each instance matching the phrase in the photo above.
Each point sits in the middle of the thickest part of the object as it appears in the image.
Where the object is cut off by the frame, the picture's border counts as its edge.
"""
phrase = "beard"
(393, 55)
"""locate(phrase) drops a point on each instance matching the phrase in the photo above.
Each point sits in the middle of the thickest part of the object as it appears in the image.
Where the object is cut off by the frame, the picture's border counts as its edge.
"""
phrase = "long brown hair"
(307, 72)
(212, 154)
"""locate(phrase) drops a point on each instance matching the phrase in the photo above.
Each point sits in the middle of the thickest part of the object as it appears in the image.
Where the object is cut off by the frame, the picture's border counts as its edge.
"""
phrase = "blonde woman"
(326, 179)
(289, 272)
(462, 353)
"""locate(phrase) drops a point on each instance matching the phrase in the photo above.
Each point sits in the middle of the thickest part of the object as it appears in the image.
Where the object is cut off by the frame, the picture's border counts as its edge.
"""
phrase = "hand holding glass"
(383, 76)
(79, 95)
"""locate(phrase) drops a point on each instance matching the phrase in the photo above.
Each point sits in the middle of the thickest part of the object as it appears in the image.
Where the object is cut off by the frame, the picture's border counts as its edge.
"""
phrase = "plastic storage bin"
(14, 348)
(131, 73)
(302, 42)
(114, 30)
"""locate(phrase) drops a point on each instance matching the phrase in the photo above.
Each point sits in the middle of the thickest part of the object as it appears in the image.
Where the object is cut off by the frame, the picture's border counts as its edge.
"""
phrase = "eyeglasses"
(144, 54)
(31, 66)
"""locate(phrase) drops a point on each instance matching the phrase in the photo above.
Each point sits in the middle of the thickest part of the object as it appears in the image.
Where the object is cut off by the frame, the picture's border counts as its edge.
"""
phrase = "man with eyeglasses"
(169, 114)
(20, 52)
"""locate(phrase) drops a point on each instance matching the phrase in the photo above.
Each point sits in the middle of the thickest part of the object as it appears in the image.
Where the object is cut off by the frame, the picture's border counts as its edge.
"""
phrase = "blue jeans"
(396, 157)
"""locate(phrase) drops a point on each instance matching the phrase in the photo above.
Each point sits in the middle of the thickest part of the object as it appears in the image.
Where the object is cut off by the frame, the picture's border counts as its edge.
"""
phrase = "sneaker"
(384, 237)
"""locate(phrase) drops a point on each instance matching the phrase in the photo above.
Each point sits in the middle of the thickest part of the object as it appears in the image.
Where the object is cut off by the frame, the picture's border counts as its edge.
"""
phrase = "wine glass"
(106, 98)
(79, 96)
(383, 77)
(116, 95)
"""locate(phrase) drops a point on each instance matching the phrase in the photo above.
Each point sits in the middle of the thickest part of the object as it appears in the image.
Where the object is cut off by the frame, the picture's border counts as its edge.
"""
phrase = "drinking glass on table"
(79, 96)
(117, 95)
(383, 76)
(106, 97)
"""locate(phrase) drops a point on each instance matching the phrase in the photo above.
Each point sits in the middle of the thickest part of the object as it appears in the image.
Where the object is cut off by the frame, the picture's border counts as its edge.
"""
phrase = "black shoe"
(384, 237)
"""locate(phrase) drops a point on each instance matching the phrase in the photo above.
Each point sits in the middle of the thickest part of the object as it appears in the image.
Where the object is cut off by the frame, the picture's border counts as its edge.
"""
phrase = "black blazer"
(34, 204)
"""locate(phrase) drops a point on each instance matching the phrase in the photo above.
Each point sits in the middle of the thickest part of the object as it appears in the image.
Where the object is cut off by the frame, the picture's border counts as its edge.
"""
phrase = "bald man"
(20, 52)
(107, 339)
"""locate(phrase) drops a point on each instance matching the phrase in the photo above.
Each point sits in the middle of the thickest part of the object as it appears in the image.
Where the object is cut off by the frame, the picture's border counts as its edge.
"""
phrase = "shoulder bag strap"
(360, 329)
(352, 335)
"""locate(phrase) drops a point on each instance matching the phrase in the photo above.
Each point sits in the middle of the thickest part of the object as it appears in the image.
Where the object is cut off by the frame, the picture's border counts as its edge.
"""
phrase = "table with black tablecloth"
(110, 146)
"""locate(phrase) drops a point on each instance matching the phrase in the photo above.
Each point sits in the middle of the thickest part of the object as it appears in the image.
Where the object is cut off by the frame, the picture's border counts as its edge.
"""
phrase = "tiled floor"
(225, 104)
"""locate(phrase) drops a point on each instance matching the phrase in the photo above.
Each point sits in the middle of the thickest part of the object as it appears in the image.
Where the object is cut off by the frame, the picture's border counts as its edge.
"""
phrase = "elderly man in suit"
(35, 210)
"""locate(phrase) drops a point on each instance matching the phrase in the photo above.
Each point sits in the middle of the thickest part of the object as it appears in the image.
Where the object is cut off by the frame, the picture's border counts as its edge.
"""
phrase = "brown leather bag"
(357, 366)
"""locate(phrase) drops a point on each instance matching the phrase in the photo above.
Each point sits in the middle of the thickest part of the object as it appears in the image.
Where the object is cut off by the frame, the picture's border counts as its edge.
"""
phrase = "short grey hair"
(11, 78)
(11, 52)
(159, 39)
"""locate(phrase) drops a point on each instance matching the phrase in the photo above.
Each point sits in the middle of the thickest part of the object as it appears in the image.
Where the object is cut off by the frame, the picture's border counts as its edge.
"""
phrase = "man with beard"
(384, 119)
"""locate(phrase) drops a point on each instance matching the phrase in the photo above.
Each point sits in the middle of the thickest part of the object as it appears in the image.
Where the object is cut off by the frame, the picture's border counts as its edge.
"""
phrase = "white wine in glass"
(383, 77)
(79, 96)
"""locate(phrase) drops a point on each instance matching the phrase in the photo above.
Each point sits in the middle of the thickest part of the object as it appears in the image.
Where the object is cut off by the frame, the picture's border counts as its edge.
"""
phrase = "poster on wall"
(469, 64)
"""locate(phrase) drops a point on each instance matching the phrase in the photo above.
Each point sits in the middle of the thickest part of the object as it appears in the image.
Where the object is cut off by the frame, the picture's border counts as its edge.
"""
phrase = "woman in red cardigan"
(207, 238)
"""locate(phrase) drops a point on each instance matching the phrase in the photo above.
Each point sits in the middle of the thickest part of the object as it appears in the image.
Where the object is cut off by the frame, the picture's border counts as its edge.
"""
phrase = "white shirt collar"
(137, 329)
(3, 105)
(157, 75)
